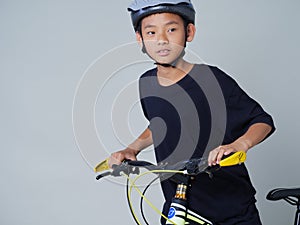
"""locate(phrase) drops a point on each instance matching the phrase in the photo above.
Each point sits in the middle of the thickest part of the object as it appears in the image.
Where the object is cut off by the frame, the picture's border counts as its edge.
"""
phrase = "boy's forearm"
(142, 142)
(255, 134)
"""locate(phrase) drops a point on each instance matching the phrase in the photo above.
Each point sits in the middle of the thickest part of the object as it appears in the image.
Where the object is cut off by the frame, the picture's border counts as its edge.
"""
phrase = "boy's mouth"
(163, 52)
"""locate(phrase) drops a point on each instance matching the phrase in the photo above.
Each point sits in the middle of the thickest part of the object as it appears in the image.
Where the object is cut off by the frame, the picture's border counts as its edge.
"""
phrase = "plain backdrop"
(46, 48)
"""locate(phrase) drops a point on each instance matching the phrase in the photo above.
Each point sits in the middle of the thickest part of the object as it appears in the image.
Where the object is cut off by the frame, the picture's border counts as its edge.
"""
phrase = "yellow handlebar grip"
(234, 159)
(102, 166)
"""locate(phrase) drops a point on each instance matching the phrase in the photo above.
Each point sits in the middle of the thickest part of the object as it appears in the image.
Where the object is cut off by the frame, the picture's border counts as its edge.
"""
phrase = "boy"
(177, 98)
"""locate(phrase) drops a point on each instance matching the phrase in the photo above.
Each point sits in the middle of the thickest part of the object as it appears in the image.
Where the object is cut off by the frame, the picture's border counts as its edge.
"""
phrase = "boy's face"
(164, 36)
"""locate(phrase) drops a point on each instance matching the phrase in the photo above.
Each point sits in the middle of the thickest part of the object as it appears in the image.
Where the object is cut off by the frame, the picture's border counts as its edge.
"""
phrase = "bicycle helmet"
(142, 8)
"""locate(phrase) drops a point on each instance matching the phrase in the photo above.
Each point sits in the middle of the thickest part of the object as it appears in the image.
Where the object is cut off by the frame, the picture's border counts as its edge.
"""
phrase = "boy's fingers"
(212, 157)
(115, 158)
(131, 157)
(118, 157)
(220, 154)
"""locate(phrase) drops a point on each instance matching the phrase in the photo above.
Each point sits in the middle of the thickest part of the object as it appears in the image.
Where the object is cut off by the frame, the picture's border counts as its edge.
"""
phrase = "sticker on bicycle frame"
(171, 213)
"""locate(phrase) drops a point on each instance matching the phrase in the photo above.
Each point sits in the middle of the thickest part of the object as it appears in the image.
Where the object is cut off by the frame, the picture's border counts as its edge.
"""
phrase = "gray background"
(46, 47)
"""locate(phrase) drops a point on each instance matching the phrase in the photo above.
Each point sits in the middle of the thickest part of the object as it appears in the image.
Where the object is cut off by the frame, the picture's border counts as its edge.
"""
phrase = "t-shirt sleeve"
(144, 108)
(243, 111)
(142, 91)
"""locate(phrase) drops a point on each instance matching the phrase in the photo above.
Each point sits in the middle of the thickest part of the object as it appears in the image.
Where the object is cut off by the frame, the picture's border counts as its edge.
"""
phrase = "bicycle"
(290, 195)
(181, 173)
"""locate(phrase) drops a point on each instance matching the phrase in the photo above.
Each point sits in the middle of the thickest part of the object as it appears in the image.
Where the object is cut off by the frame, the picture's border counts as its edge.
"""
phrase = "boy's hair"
(141, 8)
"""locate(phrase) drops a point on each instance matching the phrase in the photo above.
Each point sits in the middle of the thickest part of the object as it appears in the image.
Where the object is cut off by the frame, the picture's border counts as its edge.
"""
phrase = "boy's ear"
(139, 38)
(191, 30)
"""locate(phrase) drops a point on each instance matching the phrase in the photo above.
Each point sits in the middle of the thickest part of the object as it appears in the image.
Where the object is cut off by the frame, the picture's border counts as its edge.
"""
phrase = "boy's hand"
(216, 155)
(118, 157)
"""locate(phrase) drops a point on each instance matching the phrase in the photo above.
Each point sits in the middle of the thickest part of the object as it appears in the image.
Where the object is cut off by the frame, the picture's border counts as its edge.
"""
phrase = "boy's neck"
(169, 75)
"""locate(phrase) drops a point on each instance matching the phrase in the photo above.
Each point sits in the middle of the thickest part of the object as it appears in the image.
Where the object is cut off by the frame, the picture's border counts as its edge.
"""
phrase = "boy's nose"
(162, 39)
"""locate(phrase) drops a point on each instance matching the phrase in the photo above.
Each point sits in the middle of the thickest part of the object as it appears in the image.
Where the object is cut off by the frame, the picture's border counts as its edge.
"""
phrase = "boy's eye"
(171, 29)
(150, 32)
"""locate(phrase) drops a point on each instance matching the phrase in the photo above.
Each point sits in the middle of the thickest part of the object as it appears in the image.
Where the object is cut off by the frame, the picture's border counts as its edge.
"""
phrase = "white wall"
(46, 48)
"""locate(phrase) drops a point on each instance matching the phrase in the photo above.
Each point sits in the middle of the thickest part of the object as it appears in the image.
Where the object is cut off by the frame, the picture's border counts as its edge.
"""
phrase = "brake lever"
(211, 169)
(236, 158)
(127, 167)
(124, 167)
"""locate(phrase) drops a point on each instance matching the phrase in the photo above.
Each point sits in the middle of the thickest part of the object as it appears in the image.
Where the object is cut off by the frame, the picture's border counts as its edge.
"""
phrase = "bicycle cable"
(143, 196)
(129, 204)
(141, 200)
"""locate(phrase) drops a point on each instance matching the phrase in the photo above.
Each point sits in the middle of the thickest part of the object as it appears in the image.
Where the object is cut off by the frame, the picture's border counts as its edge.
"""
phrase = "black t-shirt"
(203, 110)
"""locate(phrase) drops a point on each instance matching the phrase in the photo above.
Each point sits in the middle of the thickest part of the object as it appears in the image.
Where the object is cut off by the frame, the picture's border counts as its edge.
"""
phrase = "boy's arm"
(142, 142)
(254, 135)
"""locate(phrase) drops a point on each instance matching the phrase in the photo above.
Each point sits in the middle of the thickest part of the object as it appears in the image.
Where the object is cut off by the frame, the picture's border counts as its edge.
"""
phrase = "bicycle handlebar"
(191, 167)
